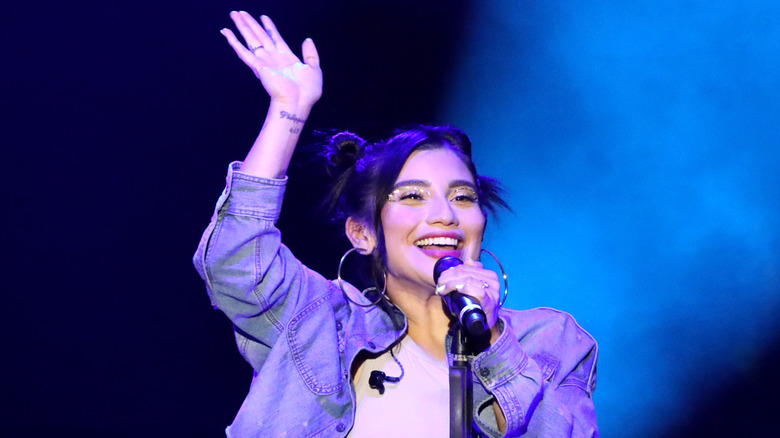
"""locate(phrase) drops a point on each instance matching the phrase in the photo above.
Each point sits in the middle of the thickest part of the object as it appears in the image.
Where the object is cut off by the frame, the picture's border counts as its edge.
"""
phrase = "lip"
(439, 253)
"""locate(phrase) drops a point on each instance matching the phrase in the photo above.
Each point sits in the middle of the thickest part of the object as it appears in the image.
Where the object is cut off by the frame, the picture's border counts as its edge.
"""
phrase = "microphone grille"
(443, 264)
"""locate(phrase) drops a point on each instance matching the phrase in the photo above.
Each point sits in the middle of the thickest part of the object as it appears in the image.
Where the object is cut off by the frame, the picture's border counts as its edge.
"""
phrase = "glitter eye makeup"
(415, 194)
(409, 193)
(464, 194)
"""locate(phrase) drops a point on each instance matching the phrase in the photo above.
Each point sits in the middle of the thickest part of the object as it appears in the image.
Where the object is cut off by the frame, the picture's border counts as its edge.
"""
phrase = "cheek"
(398, 229)
(399, 222)
(475, 223)
(476, 233)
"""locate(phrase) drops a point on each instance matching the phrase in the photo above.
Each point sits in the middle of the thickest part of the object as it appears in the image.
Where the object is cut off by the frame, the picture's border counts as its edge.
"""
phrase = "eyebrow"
(463, 182)
(424, 183)
(412, 182)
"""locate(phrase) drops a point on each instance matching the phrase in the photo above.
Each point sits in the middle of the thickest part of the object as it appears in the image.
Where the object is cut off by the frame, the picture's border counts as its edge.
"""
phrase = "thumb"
(470, 262)
(310, 55)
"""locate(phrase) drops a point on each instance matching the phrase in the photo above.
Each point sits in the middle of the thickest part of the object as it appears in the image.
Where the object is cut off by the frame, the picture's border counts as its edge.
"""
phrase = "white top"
(418, 405)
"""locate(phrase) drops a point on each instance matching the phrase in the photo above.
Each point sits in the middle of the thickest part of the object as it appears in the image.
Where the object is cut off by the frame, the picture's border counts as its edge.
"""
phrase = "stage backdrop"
(639, 143)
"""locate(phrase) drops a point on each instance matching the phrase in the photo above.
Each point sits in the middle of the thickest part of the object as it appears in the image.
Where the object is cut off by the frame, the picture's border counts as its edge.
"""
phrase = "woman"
(314, 343)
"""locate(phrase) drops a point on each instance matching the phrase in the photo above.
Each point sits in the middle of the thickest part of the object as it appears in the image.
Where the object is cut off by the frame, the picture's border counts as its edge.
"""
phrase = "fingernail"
(439, 289)
(458, 287)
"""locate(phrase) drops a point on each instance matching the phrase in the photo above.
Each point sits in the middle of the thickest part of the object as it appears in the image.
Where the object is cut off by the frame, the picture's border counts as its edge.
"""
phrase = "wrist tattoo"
(295, 130)
(290, 116)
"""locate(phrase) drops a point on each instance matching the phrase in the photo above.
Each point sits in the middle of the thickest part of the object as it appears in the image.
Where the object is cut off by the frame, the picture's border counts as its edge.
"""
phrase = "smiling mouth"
(439, 243)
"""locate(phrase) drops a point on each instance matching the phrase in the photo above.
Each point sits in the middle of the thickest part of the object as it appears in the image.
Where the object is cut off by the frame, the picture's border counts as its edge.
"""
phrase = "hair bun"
(343, 151)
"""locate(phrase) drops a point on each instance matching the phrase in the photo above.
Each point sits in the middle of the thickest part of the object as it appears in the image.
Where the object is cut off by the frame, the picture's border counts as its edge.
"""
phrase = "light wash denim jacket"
(302, 336)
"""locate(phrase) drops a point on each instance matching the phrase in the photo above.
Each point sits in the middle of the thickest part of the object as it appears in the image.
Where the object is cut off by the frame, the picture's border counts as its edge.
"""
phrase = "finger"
(244, 23)
(270, 28)
(467, 285)
(473, 263)
(466, 271)
(264, 40)
(456, 285)
(482, 285)
(481, 289)
(310, 55)
(483, 292)
(245, 54)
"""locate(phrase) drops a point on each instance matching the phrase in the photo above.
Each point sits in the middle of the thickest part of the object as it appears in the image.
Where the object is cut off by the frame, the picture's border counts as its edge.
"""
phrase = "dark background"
(119, 120)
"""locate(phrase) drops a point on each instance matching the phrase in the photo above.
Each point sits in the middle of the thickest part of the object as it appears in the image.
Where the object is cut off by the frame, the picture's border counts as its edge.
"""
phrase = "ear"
(361, 235)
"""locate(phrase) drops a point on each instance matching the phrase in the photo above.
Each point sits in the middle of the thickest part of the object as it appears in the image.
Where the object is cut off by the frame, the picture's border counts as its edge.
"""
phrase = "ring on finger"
(485, 285)
(256, 48)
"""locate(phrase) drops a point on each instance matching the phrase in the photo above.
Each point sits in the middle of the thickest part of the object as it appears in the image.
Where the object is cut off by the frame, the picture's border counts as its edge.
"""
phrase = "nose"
(441, 211)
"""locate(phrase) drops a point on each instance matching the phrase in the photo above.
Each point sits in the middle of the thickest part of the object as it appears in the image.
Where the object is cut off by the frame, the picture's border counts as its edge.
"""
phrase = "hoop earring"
(341, 284)
(503, 274)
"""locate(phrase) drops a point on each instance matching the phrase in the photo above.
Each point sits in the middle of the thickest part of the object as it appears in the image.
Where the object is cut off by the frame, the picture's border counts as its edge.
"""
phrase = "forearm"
(249, 274)
(510, 382)
(241, 243)
(500, 418)
(271, 153)
(538, 377)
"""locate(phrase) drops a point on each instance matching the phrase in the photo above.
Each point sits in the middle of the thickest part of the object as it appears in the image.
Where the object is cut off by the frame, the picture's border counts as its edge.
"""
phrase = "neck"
(428, 321)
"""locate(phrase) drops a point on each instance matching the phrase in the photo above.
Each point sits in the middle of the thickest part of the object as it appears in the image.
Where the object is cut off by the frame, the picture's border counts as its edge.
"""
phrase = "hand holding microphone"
(465, 308)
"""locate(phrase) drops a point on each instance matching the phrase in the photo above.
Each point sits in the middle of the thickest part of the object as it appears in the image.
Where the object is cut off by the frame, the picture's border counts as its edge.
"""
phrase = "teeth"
(439, 241)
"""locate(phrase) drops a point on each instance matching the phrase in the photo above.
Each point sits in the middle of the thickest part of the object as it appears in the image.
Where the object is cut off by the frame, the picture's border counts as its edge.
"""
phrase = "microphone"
(465, 308)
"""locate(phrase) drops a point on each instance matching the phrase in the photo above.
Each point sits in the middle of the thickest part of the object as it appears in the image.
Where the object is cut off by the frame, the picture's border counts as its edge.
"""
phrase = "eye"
(464, 195)
(411, 195)
(408, 195)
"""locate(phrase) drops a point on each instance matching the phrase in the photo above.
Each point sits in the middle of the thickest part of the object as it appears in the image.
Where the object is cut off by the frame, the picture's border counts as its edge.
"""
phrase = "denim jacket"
(302, 336)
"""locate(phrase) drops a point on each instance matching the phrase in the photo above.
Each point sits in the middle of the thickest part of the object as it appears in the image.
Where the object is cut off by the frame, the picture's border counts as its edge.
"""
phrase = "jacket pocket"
(313, 341)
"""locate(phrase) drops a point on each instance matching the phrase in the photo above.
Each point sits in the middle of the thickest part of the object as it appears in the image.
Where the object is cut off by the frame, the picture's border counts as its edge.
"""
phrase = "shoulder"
(563, 349)
(550, 324)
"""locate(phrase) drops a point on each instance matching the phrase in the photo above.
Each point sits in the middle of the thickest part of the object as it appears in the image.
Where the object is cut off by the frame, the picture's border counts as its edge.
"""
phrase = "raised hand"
(286, 79)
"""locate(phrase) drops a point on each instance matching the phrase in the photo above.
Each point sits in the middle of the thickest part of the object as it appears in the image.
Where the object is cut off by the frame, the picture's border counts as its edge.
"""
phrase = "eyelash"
(404, 193)
(460, 195)
(466, 198)
(417, 196)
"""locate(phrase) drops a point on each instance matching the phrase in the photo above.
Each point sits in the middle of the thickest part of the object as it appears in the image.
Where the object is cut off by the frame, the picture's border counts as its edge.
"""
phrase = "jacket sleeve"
(543, 379)
(249, 274)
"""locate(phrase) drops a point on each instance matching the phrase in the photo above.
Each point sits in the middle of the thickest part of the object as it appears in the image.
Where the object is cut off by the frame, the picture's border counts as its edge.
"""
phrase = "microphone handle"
(468, 312)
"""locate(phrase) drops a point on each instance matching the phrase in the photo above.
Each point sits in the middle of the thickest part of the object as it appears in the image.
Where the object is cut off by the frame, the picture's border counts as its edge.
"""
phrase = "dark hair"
(364, 174)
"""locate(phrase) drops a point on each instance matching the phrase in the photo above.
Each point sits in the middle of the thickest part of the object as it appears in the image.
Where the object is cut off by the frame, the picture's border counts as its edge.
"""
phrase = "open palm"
(283, 75)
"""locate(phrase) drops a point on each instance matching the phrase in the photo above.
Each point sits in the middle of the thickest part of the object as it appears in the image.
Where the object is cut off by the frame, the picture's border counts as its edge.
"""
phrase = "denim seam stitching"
(500, 380)
(262, 302)
(303, 368)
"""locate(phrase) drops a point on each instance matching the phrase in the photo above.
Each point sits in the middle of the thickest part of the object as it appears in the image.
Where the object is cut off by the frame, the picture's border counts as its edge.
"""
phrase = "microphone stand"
(463, 345)
(461, 402)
